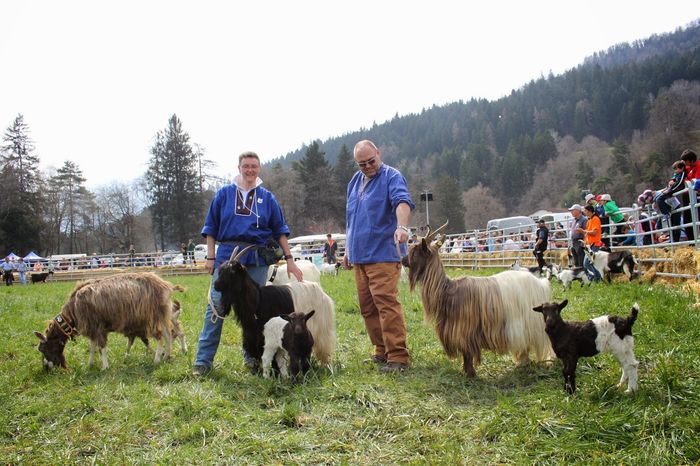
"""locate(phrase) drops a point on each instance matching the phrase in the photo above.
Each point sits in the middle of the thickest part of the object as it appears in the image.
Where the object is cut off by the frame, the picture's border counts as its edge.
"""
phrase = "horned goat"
(472, 314)
(130, 303)
(254, 305)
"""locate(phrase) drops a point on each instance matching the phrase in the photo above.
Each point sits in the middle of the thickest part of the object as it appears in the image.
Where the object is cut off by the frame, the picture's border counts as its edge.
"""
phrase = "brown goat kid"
(176, 331)
(137, 304)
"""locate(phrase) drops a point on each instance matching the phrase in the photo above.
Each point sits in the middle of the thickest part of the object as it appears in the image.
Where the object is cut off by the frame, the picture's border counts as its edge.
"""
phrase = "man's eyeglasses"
(367, 162)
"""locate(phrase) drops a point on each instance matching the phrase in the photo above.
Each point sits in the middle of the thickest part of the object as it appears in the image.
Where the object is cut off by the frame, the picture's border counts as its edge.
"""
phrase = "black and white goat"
(254, 305)
(289, 341)
(572, 340)
(568, 276)
(329, 269)
(607, 263)
(547, 271)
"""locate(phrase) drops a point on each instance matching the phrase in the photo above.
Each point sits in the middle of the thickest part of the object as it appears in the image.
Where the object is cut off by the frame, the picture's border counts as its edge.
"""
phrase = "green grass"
(139, 413)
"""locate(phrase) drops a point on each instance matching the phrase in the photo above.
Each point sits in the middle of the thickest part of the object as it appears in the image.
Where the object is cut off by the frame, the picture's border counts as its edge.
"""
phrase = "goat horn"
(431, 235)
(233, 254)
(246, 249)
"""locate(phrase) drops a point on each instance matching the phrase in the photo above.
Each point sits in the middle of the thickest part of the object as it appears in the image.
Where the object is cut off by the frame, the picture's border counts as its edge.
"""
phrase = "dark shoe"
(199, 371)
(393, 367)
(376, 359)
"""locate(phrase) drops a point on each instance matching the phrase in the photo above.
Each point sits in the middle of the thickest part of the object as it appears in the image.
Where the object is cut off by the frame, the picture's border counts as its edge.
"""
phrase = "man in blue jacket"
(378, 211)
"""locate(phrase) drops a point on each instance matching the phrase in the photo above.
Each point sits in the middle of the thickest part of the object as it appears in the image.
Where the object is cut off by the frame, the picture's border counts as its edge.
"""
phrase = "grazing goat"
(472, 314)
(329, 269)
(572, 340)
(607, 263)
(176, 331)
(254, 305)
(277, 275)
(130, 303)
(568, 276)
(38, 277)
(287, 339)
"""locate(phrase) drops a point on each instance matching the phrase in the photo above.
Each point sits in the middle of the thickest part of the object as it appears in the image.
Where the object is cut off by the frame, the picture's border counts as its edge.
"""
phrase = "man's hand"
(293, 269)
(346, 262)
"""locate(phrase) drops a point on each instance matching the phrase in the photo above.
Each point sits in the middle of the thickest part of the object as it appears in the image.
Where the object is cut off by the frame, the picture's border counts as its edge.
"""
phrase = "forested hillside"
(613, 124)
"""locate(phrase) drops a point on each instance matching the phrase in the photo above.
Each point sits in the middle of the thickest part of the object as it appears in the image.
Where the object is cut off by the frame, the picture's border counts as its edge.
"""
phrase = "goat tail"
(633, 314)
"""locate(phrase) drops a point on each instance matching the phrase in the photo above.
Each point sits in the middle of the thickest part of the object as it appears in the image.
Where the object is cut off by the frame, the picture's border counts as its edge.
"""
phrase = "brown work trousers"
(377, 290)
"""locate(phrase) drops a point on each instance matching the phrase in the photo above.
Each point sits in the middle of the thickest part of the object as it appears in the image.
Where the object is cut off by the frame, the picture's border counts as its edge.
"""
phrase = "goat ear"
(424, 244)
(537, 308)
(308, 316)
(40, 336)
(563, 304)
(285, 317)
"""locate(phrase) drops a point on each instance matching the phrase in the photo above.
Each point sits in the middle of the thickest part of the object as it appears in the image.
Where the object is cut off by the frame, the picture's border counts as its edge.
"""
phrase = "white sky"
(96, 80)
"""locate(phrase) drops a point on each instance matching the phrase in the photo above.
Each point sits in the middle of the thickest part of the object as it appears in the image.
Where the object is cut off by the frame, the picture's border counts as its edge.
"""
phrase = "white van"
(512, 225)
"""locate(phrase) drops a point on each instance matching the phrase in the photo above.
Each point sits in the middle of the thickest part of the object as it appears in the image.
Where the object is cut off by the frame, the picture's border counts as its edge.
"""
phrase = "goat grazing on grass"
(176, 331)
(254, 305)
(572, 340)
(607, 263)
(568, 276)
(472, 314)
(288, 340)
(131, 303)
(277, 275)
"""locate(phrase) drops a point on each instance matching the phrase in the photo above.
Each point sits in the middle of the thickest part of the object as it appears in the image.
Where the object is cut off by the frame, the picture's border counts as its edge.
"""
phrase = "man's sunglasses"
(367, 162)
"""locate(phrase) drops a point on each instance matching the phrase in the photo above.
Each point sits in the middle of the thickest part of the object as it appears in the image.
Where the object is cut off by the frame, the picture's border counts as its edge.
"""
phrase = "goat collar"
(274, 273)
(65, 327)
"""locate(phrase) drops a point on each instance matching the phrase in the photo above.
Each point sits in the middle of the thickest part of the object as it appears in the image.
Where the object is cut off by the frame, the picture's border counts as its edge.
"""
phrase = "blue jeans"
(588, 265)
(210, 336)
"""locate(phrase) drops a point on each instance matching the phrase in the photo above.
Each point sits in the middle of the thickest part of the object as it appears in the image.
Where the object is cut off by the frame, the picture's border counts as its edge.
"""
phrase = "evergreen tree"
(20, 190)
(174, 184)
(449, 205)
(344, 167)
(323, 198)
(68, 181)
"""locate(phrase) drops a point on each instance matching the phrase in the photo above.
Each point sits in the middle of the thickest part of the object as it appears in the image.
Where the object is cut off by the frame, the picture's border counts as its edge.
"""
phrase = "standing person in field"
(378, 212)
(241, 214)
(22, 271)
(7, 268)
(330, 249)
(592, 237)
(542, 237)
(577, 235)
(190, 252)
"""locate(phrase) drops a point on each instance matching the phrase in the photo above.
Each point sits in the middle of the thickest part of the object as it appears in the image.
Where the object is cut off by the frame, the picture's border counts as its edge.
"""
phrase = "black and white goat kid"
(289, 342)
(254, 305)
(572, 340)
(547, 271)
(568, 276)
(607, 263)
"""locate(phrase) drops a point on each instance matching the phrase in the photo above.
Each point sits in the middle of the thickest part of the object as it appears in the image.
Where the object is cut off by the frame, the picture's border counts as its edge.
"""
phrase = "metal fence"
(652, 233)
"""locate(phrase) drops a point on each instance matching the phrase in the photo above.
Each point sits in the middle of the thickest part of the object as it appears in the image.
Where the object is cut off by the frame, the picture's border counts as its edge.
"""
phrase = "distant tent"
(32, 256)
(12, 256)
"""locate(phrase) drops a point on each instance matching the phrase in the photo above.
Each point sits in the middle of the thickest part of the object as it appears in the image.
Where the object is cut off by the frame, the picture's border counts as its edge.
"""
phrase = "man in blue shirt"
(378, 211)
(241, 214)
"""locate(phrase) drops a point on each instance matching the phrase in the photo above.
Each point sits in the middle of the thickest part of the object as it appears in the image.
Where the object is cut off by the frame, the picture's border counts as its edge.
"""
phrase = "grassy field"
(138, 413)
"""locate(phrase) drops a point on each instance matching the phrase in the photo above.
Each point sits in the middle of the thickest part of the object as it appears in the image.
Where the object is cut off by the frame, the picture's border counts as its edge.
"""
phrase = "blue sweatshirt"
(371, 215)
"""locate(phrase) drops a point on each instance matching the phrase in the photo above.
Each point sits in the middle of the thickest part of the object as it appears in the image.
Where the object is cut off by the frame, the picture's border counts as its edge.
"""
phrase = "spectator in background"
(692, 172)
(629, 238)
(132, 255)
(614, 216)
(592, 237)
(330, 249)
(510, 245)
(190, 252)
(542, 235)
(577, 236)
(22, 271)
(7, 268)
(183, 251)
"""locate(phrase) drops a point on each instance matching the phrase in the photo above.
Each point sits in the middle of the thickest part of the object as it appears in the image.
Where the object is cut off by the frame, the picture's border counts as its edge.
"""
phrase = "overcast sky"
(96, 80)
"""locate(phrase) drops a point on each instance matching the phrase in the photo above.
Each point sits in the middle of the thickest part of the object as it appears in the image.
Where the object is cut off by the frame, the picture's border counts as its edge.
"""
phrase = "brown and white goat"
(472, 314)
(132, 304)
(176, 331)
